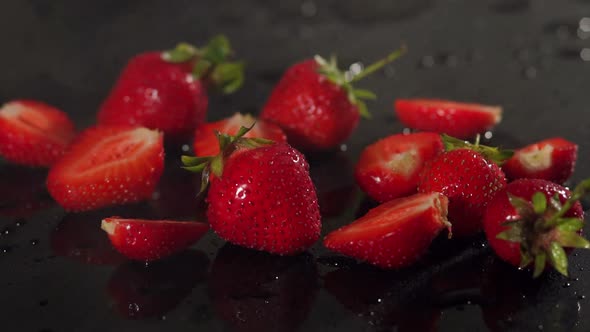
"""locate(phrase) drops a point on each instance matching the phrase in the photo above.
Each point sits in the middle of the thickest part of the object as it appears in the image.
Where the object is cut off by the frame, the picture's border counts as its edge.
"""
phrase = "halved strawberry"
(33, 133)
(394, 234)
(108, 166)
(206, 143)
(148, 240)
(462, 120)
(553, 159)
(390, 167)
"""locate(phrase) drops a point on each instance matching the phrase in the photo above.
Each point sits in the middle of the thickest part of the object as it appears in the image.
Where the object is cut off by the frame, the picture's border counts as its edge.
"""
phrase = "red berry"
(156, 94)
(500, 211)
(265, 200)
(462, 120)
(148, 240)
(390, 167)
(469, 181)
(107, 166)
(314, 112)
(553, 159)
(206, 143)
(394, 234)
(33, 133)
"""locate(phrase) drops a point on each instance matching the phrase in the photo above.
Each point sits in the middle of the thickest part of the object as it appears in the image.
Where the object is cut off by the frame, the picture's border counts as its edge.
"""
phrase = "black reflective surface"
(58, 272)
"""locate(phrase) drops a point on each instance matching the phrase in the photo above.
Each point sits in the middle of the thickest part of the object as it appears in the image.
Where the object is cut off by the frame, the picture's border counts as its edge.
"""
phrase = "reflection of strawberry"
(394, 234)
(78, 236)
(165, 90)
(206, 143)
(552, 159)
(332, 175)
(140, 290)
(33, 133)
(257, 291)
(361, 289)
(108, 166)
(148, 240)
(22, 191)
(176, 194)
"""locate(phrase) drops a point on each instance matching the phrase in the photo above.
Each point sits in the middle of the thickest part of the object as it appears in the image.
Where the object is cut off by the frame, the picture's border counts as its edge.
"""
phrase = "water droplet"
(566, 285)
(185, 147)
(585, 54)
(5, 249)
(20, 222)
(308, 9)
(582, 297)
(343, 147)
(427, 61)
(530, 73)
(34, 242)
(163, 317)
(540, 327)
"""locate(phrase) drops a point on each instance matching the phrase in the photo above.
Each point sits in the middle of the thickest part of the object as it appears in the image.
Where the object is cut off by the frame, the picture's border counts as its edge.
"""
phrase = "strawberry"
(553, 159)
(33, 133)
(272, 293)
(107, 166)
(394, 234)
(206, 143)
(316, 105)
(469, 176)
(167, 90)
(462, 120)
(261, 195)
(531, 222)
(140, 291)
(148, 240)
(390, 167)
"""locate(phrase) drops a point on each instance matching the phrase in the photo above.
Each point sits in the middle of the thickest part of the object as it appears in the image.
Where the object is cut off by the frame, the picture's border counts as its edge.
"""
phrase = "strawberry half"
(394, 234)
(33, 133)
(553, 159)
(108, 166)
(148, 240)
(462, 120)
(390, 168)
(206, 143)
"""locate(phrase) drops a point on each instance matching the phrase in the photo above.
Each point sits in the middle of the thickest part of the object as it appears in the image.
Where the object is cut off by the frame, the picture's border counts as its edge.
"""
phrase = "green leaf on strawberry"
(211, 63)
(493, 154)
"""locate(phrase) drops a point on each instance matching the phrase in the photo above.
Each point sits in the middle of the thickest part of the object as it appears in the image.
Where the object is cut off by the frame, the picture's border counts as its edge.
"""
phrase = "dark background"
(523, 55)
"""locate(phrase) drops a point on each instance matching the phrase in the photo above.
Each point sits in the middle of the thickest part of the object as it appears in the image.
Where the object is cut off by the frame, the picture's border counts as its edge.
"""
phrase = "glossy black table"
(58, 272)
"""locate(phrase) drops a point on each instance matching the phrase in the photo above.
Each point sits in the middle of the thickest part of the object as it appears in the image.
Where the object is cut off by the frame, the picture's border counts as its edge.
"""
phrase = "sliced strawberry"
(390, 168)
(108, 166)
(148, 240)
(553, 159)
(33, 133)
(206, 143)
(394, 234)
(462, 120)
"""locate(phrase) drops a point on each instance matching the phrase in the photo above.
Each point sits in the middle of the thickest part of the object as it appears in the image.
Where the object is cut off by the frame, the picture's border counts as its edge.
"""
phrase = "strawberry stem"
(379, 64)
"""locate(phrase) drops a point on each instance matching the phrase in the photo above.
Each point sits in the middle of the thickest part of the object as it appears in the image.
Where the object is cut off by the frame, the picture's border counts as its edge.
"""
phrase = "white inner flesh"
(536, 159)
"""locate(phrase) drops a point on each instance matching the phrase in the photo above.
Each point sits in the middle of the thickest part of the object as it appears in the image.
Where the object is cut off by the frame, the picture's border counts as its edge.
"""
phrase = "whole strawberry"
(261, 195)
(469, 177)
(316, 104)
(532, 221)
(168, 90)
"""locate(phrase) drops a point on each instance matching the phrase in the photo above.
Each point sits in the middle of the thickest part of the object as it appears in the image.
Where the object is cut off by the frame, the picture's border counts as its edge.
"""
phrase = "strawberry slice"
(461, 120)
(394, 234)
(148, 240)
(553, 159)
(390, 168)
(206, 143)
(33, 133)
(108, 166)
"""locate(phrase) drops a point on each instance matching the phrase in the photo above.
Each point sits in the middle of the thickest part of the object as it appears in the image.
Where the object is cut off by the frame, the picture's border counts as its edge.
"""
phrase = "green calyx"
(227, 145)
(211, 63)
(493, 154)
(329, 69)
(543, 232)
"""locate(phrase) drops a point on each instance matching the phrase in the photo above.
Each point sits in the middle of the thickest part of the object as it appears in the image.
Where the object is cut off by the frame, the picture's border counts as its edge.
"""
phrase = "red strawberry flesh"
(394, 234)
(148, 240)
